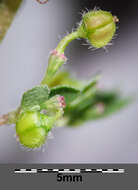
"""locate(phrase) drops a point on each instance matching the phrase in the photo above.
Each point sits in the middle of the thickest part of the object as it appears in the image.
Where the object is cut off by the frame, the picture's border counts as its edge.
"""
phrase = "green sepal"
(54, 63)
(54, 106)
(35, 97)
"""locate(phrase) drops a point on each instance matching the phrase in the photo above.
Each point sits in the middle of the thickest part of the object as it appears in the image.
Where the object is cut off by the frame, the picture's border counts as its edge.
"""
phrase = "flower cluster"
(60, 99)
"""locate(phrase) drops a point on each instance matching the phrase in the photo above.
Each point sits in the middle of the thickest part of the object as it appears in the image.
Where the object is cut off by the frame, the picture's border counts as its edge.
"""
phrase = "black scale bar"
(71, 171)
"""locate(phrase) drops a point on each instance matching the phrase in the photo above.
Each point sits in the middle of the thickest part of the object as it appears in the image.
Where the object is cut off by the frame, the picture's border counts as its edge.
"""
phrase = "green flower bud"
(56, 59)
(98, 27)
(32, 128)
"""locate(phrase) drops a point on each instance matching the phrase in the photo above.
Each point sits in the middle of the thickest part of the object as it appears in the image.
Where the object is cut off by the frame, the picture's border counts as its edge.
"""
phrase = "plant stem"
(10, 117)
(66, 40)
(4, 119)
(57, 58)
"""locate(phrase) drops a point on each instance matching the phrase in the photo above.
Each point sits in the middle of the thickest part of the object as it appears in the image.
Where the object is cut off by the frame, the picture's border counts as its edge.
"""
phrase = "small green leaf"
(34, 98)
(104, 104)
(90, 84)
(86, 96)
(68, 92)
(82, 101)
(92, 114)
(64, 78)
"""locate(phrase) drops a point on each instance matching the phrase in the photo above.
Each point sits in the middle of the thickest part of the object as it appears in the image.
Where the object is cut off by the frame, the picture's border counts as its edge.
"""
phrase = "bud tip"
(115, 19)
(61, 100)
(58, 54)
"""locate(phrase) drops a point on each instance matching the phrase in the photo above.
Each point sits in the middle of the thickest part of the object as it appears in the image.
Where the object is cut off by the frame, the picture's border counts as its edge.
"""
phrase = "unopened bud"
(32, 128)
(56, 59)
(98, 27)
(61, 100)
(55, 106)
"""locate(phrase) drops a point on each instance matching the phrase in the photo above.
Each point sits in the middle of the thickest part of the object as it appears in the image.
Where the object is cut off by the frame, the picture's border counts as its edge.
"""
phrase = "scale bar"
(25, 171)
(114, 171)
(71, 171)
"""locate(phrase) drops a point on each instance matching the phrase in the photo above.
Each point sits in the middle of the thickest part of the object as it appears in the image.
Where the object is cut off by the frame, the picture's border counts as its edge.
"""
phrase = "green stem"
(66, 40)
(57, 59)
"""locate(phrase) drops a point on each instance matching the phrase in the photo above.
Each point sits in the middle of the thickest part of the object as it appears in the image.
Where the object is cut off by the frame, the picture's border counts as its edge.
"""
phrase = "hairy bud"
(32, 128)
(56, 59)
(98, 27)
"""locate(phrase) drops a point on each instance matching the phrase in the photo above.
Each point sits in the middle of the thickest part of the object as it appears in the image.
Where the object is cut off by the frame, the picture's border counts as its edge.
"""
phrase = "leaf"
(106, 96)
(58, 79)
(93, 114)
(64, 78)
(8, 10)
(86, 96)
(34, 98)
(106, 104)
(68, 92)
(82, 101)
(90, 84)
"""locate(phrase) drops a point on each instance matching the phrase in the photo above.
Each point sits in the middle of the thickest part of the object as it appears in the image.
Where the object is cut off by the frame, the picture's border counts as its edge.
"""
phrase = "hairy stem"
(66, 40)
(57, 58)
